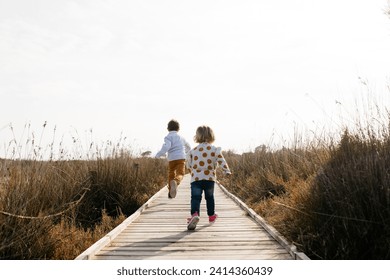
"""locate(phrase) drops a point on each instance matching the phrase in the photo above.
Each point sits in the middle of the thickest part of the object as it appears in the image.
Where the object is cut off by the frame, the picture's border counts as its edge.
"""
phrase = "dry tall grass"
(55, 209)
(330, 198)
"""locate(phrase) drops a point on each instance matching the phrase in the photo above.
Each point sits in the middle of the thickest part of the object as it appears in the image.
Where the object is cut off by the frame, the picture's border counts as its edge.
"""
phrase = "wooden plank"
(226, 254)
(192, 240)
(203, 247)
(174, 229)
(190, 250)
(195, 243)
(196, 257)
(182, 234)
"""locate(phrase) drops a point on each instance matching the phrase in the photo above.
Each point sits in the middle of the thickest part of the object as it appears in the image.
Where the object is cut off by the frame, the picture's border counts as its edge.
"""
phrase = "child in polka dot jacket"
(202, 162)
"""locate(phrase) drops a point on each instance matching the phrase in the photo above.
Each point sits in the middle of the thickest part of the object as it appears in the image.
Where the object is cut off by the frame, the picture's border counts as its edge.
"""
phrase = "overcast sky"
(250, 69)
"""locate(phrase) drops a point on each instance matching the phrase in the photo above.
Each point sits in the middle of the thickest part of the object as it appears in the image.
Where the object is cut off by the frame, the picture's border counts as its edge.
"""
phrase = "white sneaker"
(193, 221)
(173, 188)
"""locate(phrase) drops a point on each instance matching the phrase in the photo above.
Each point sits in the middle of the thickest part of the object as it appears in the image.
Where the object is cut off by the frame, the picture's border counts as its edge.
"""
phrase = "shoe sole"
(192, 224)
(173, 188)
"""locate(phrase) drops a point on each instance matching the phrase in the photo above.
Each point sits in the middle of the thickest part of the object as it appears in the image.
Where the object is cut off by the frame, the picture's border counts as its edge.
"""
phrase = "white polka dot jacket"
(203, 160)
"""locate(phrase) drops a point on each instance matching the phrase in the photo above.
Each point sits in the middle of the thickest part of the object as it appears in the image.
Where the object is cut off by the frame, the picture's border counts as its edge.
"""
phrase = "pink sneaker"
(193, 221)
(213, 218)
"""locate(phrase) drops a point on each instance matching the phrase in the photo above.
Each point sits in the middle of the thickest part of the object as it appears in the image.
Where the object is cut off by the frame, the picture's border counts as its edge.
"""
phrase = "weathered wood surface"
(158, 230)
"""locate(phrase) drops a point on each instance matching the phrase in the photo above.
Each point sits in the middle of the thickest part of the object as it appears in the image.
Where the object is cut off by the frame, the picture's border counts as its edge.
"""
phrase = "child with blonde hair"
(202, 162)
(177, 148)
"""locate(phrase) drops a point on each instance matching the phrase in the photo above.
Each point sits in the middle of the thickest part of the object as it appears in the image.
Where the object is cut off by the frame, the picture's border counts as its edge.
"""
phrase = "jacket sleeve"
(165, 147)
(189, 160)
(187, 147)
(222, 162)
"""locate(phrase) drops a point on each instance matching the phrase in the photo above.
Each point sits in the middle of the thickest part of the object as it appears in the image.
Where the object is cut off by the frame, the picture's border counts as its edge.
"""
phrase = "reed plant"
(56, 208)
(331, 198)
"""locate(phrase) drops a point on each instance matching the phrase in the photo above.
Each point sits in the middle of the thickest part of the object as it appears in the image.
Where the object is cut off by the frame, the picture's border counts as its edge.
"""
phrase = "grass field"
(55, 209)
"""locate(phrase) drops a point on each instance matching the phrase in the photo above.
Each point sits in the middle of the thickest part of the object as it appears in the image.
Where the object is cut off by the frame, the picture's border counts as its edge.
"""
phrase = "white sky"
(249, 69)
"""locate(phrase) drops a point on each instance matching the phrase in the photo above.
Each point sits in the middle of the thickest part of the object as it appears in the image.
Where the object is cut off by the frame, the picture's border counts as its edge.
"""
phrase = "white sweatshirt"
(175, 145)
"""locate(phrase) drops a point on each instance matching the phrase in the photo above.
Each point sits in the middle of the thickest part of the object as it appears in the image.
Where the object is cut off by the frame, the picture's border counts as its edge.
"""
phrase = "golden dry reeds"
(55, 209)
(330, 198)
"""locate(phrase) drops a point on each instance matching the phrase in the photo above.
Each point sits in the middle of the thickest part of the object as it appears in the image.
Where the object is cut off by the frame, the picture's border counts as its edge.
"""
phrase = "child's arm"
(164, 149)
(222, 162)
(189, 160)
(187, 146)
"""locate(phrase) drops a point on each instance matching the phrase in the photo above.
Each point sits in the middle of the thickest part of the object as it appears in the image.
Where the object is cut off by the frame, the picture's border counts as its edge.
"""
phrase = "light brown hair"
(204, 134)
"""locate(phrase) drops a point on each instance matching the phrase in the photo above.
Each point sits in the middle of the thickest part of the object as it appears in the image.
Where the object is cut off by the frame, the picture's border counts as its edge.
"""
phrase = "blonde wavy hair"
(204, 134)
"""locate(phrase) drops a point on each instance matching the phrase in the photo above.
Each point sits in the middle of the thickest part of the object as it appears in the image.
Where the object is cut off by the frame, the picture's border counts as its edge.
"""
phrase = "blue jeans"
(197, 188)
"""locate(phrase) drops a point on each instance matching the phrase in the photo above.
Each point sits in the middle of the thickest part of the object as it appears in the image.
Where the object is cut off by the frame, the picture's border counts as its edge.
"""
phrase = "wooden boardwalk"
(158, 230)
